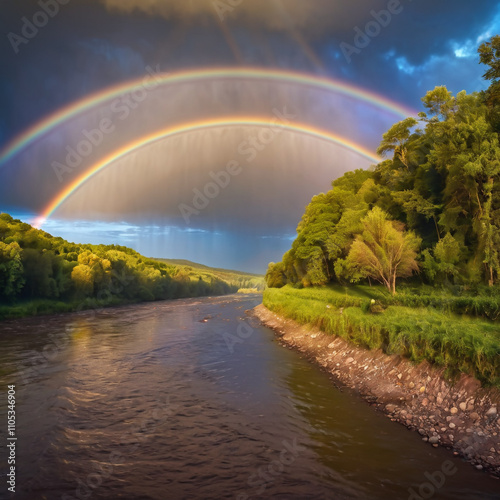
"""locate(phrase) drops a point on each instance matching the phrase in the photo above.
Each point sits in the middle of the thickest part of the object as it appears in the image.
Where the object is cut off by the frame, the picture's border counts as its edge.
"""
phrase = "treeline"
(35, 265)
(240, 279)
(431, 208)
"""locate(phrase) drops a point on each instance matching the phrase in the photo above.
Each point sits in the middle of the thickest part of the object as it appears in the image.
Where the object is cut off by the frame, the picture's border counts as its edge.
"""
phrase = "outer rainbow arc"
(45, 125)
(190, 127)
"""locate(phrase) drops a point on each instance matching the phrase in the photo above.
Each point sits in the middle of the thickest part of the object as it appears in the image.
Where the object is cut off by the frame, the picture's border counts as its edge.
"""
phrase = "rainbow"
(190, 127)
(47, 124)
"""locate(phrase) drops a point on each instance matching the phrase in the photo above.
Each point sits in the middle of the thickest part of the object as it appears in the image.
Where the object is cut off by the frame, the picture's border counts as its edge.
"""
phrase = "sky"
(241, 111)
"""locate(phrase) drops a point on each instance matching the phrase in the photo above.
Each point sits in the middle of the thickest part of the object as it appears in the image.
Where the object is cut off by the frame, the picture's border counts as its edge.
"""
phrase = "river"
(187, 400)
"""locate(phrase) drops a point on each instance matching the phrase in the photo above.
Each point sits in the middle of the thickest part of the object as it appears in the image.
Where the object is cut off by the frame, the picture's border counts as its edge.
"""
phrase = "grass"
(460, 343)
(40, 307)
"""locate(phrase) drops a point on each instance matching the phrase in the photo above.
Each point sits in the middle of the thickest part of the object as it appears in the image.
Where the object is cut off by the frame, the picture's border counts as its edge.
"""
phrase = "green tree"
(383, 251)
(489, 54)
(11, 271)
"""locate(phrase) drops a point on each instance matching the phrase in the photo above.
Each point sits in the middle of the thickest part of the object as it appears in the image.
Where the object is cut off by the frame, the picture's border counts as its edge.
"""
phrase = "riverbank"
(461, 416)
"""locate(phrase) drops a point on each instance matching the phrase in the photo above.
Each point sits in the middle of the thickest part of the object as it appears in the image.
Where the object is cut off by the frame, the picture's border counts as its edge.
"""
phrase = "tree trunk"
(437, 228)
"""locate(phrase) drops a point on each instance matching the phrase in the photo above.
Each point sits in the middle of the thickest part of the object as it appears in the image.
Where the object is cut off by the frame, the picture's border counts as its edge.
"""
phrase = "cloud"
(276, 15)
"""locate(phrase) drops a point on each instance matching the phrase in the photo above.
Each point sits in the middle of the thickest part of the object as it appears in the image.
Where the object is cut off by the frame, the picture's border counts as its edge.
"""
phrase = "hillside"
(42, 274)
(243, 280)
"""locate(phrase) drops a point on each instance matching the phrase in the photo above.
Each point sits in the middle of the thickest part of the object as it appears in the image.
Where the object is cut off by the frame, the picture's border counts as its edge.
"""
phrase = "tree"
(397, 140)
(11, 270)
(275, 276)
(383, 251)
(489, 55)
(445, 259)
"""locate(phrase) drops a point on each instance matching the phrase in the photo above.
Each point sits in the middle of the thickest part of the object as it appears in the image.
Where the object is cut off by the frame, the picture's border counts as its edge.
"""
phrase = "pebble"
(452, 425)
(422, 390)
(463, 406)
(434, 440)
(454, 411)
(492, 412)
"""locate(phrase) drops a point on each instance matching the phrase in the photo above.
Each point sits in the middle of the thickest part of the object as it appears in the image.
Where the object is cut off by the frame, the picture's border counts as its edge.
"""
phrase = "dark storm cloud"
(91, 44)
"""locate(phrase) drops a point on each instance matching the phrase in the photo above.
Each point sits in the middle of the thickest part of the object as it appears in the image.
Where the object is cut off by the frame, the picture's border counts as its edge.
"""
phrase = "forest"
(40, 273)
(428, 213)
(405, 257)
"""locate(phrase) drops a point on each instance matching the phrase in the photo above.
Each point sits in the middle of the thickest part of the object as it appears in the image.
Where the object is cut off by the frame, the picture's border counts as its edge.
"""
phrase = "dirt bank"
(461, 415)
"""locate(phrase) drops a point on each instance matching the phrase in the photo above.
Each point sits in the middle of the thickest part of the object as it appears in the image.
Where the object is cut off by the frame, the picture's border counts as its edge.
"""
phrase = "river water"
(186, 400)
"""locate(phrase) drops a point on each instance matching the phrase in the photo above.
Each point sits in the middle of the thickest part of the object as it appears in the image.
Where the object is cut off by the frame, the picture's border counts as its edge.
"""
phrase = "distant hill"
(241, 279)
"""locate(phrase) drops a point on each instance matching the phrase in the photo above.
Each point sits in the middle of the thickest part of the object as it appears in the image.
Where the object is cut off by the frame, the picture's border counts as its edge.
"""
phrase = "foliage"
(439, 182)
(41, 273)
(383, 251)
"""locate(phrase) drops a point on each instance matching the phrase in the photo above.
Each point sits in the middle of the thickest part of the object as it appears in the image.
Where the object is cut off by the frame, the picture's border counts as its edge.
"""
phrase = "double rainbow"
(191, 127)
(46, 125)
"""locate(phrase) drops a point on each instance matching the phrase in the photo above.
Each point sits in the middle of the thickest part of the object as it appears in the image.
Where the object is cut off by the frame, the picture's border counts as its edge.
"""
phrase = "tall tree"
(383, 251)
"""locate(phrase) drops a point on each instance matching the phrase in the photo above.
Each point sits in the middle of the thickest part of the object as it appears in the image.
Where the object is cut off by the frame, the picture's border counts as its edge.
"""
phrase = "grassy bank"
(41, 307)
(428, 330)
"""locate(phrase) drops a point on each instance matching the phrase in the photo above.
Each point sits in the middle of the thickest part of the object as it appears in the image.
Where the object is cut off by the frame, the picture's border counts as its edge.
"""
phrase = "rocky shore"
(461, 416)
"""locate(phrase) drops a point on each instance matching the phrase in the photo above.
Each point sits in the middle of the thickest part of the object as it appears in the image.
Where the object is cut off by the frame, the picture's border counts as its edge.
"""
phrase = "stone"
(454, 411)
(492, 412)
(422, 390)
(349, 361)
(434, 440)
(474, 416)
(411, 385)
(391, 408)
(425, 402)
(452, 425)
(463, 406)
(439, 400)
